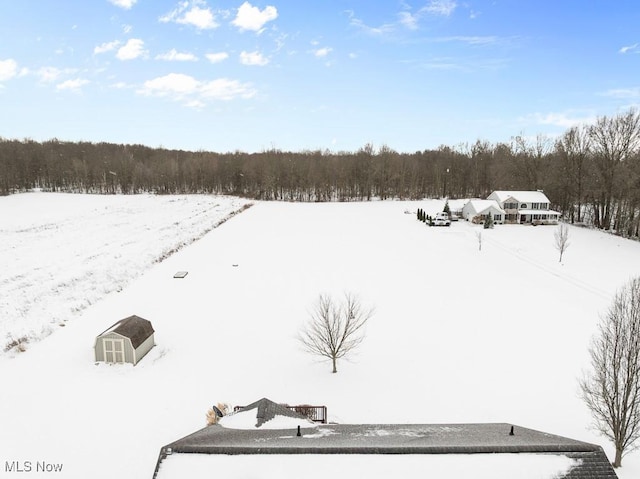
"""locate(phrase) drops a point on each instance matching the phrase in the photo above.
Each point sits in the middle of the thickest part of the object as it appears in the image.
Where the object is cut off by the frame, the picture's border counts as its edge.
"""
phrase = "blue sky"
(313, 74)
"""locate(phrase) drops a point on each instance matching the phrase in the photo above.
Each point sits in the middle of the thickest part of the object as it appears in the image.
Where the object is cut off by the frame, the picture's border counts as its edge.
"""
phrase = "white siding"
(144, 348)
(99, 347)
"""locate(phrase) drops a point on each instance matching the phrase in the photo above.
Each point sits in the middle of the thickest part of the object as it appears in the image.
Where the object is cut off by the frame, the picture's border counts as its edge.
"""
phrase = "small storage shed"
(127, 341)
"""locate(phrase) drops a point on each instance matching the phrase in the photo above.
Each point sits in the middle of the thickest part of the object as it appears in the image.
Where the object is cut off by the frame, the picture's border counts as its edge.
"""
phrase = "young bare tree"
(561, 236)
(335, 330)
(611, 390)
(479, 238)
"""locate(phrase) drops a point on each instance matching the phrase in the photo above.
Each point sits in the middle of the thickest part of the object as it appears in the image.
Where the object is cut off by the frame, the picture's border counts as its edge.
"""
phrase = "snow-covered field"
(458, 335)
(61, 253)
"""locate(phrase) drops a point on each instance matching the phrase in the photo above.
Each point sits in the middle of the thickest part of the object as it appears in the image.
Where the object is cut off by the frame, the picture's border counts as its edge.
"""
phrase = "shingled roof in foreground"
(589, 460)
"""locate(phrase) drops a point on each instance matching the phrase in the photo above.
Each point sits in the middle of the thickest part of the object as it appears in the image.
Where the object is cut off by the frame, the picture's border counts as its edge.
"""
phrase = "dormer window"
(523, 206)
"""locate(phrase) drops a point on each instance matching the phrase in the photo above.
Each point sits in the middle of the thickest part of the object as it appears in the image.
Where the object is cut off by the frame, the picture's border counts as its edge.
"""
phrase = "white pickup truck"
(441, 219)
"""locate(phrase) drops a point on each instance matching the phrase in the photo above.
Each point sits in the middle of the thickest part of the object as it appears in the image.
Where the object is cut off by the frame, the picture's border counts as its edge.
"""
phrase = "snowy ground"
(459, 335)
(61, 253)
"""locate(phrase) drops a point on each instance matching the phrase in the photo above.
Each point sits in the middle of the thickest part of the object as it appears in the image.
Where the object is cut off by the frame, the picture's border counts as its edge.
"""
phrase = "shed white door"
(114, 350)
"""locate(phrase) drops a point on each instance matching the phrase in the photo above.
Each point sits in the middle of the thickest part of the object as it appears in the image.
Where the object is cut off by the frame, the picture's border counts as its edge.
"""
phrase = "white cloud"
(252, 18)
(106, 47)
(405, 18)
(322, 52)
(49, 74)
(126, 4)
(434, 7)
(176, 84)
(408, 20)
(195, 13)
(472, 40)
(280, 41)
(217, 57)
(253, 58)
(133, 49)
(629, 49)
(201, 18)
(225, 89)
(126, 29)
(440, 7)
(563, 120)
(359, 24)
(8, 69)
(442, 64)
(195, 104)
(175, 56)
(461, 64)
(624, 93)
(74, 85)
(194, 93)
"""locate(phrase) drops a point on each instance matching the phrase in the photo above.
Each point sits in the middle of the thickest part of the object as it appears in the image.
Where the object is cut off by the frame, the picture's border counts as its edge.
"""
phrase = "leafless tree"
(611, 390)
(614, 140)
(335, 330)
(561, 236)
(573, 148)
(529, 156)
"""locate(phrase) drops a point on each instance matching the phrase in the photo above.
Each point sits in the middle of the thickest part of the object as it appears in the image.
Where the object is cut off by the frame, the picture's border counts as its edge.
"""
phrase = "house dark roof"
(398, 439)
(267, 410)
(134, 327)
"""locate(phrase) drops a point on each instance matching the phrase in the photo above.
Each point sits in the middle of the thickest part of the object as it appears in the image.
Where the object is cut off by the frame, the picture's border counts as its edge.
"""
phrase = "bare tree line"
(591, 173)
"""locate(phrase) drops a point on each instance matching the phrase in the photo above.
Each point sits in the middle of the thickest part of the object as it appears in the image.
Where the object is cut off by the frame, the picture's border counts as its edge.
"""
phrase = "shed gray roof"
(134, 327)
(398, 439)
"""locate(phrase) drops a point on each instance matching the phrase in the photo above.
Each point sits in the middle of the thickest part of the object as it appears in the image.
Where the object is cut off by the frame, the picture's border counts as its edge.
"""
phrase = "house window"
(497, 217)
(523, 206)
(534, 206)
(511, 206)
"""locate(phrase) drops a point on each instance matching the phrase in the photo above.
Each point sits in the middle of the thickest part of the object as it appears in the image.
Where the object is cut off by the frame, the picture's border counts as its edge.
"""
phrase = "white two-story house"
(525, 207)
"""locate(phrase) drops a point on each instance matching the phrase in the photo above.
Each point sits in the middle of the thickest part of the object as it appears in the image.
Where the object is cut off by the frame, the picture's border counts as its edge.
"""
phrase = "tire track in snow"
(537, 264)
